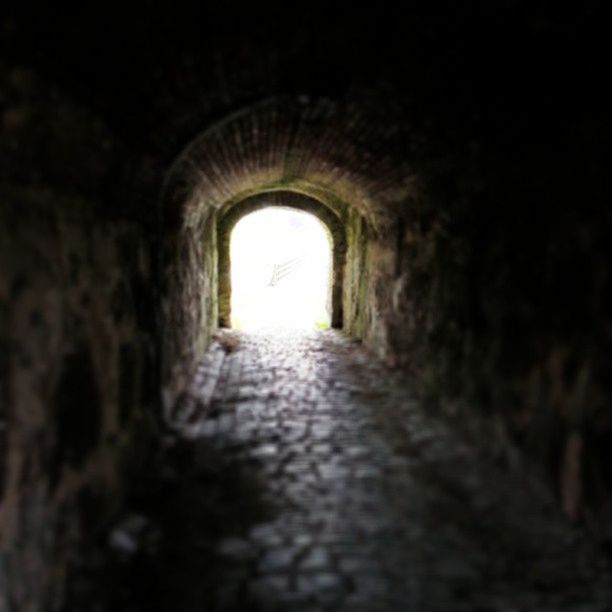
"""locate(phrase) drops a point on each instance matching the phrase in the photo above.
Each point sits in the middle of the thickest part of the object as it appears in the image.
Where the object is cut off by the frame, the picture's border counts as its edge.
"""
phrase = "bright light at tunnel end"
(280, 271)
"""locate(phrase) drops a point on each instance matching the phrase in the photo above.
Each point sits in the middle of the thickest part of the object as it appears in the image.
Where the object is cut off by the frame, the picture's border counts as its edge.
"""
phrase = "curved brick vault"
(340, 154)
(338, 160)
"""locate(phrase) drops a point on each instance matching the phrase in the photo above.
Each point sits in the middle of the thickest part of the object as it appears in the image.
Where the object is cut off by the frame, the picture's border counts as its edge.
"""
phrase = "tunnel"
(442, 445)
(305, 158)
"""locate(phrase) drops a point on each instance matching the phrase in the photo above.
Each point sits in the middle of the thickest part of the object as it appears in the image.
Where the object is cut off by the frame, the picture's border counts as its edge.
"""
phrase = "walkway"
(310, 479)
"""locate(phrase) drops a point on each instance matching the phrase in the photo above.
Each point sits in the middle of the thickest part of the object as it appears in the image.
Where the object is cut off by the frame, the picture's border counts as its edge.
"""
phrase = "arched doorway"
(281, 271)
(323, 221)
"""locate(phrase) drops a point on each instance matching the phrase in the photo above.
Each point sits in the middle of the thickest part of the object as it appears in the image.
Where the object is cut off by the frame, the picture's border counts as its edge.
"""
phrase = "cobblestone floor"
(325, 486)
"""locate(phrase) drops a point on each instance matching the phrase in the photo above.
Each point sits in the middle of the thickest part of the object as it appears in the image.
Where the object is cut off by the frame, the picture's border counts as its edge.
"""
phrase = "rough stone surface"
(77, 373)
(313, 478)
(66, 442)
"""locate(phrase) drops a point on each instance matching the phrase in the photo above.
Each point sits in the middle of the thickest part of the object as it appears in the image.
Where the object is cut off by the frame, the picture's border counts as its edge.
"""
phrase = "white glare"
(280, 267)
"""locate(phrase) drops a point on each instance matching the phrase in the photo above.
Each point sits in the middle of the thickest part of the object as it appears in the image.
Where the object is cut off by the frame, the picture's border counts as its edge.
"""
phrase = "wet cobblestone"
(375, 505)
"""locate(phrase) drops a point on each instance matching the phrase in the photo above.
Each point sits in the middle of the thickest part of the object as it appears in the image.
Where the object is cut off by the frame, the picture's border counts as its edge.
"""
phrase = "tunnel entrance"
(281, 274)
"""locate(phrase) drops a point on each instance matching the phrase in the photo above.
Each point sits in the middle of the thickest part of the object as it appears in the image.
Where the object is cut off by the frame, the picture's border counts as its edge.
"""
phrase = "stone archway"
(228, 219)
(314, 155)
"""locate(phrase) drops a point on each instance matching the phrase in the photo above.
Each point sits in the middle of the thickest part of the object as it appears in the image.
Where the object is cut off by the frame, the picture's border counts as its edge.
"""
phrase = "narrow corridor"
(324, 484)
(455, 159)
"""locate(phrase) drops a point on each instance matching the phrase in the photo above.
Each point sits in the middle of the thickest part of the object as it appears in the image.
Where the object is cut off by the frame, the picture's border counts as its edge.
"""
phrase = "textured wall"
(189, 304)
(79, 360)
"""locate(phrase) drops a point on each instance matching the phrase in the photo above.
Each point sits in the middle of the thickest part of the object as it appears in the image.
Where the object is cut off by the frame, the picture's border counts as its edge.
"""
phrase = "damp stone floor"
(305, 475)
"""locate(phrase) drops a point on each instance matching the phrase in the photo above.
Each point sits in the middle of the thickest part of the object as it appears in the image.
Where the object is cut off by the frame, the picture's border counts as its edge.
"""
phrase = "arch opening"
(281, 271)
(320, 216)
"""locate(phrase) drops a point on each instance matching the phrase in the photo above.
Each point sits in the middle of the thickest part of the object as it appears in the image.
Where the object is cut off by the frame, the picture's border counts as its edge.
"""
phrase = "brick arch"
(337, 153)
(331, 220)
(345, 156)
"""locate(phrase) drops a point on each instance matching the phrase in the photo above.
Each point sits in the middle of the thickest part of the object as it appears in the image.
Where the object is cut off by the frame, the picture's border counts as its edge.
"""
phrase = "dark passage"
(445, 446)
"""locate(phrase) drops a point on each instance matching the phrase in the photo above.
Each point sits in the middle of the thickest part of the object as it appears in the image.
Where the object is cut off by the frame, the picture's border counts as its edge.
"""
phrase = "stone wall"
(499, 298)
(190, 302)
(78, 372)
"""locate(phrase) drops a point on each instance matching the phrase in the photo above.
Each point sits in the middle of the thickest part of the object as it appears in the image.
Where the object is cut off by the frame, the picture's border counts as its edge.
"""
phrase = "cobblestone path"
(334, 490)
